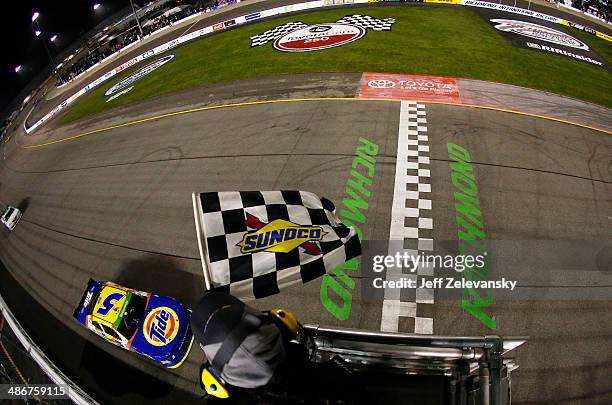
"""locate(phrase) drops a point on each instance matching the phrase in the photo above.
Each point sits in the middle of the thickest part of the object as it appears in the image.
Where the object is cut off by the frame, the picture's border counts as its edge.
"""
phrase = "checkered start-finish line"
(411, 228)
(254, 243)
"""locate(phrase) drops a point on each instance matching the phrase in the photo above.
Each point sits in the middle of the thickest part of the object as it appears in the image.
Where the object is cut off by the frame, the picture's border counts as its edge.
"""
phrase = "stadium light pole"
(38, 33)
(137, 20)
(17, 68)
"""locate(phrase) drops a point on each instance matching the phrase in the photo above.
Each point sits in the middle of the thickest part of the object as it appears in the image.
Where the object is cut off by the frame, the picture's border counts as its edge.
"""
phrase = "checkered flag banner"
(367, 22)
(276, 32)
(254, 243)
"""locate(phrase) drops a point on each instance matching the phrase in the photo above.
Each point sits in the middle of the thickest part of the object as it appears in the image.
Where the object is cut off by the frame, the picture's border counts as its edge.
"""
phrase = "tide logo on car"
(161, 326)
(280, 236)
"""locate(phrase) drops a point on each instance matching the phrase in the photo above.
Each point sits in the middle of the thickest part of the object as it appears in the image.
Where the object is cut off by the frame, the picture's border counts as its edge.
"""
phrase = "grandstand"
(127, 30)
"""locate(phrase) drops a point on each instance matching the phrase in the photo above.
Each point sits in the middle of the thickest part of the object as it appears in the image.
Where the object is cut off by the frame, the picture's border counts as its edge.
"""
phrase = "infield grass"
(436, 41)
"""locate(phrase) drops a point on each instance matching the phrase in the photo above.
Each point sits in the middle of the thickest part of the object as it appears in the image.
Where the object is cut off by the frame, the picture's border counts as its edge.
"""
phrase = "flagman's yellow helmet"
(287, 318)
(243, 346)
(212, 385)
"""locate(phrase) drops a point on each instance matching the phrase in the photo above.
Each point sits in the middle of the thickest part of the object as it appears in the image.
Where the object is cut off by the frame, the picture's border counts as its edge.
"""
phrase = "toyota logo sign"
(381, 84)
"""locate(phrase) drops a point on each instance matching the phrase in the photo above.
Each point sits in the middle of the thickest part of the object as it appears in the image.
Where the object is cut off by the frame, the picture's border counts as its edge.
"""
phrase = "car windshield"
(96, 325)
(8, 213)
(132, 315)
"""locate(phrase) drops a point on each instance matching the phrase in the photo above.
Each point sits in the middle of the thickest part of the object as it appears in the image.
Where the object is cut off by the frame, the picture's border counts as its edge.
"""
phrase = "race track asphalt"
(115, 205)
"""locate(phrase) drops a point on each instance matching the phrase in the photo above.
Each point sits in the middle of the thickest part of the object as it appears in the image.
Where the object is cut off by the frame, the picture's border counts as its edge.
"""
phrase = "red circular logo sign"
(319, 36)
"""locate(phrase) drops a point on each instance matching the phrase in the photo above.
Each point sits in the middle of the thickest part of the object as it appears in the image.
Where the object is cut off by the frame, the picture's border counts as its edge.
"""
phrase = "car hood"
(162, 329)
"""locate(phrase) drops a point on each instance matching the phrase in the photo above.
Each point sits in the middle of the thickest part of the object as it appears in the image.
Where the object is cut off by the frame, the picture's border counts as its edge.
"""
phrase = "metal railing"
(482, 359)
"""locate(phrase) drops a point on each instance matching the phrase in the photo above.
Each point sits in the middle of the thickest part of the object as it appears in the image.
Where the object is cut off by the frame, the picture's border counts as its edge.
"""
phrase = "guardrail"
(76, 394)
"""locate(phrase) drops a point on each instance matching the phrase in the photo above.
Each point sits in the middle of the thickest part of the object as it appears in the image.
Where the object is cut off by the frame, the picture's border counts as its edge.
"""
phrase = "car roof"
(109, 306)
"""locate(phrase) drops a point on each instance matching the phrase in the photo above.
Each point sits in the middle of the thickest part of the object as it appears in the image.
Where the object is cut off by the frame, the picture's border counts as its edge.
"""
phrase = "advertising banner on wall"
(409, 87)
(510, 9)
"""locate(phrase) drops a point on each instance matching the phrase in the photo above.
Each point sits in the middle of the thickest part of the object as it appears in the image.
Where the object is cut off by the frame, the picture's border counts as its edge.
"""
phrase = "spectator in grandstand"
(92, 57)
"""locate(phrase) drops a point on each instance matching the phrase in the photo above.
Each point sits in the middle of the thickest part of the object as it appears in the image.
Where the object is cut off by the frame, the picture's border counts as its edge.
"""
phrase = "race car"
(152, 325)
(10, 217)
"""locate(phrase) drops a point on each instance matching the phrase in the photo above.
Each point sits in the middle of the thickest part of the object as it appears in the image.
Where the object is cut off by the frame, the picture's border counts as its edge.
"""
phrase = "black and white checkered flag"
(254, 243)
(367, 22)
(276, 32)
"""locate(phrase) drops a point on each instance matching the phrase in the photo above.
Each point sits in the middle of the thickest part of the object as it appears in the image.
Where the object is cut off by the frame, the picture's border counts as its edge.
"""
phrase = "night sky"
(69, 19)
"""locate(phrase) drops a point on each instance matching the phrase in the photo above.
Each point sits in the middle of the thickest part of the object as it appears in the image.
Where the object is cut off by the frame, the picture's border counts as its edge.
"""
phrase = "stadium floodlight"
(96, 6)
(53, 38)
(17, 68)
(35, 16)
(37, 33)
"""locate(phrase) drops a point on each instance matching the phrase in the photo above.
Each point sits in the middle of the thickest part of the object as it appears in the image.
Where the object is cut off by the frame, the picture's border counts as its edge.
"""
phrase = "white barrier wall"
(76, 394)
(510, 9)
